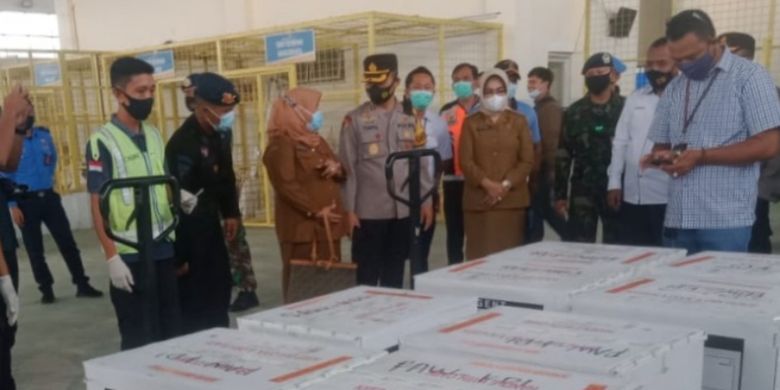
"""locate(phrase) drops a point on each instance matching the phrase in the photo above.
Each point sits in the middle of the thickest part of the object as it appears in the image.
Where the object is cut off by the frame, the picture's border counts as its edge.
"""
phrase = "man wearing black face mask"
(379, 225)
(713, 125)
(126, 147)
(584, 154)
(640, 196)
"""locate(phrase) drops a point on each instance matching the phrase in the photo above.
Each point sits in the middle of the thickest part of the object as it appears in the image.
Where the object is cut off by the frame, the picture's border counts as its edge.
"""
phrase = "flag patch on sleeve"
(95, 166)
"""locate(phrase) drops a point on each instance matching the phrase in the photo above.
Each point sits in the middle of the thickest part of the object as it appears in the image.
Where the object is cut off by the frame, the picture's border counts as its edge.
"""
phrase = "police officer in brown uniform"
(380, 226)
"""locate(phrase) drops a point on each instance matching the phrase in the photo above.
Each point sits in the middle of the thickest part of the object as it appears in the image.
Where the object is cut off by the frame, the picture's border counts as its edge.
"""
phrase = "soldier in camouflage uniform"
(584, 154)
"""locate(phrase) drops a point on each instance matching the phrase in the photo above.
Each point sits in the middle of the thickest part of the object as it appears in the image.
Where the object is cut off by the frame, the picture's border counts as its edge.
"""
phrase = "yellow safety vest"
(129, 161)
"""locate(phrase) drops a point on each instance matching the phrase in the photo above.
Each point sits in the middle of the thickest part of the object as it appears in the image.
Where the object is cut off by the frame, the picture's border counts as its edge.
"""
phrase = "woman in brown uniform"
(305, 174)
(496, 156)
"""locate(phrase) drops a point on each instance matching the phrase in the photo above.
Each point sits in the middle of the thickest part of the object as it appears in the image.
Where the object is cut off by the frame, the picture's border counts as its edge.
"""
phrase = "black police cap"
(377, 67)
(215, 89)
(599, 60)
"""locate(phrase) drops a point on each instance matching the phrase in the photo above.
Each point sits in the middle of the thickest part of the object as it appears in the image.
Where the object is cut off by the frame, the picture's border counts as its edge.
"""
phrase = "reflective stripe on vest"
(129, 161)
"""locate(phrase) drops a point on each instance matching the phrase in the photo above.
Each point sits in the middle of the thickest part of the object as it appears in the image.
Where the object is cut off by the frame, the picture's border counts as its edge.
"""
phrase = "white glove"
(121, 277)
(189, 201)
(10, 298)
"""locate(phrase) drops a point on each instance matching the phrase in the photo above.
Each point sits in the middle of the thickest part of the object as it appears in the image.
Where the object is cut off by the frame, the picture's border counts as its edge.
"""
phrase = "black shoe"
(245, 301)
(87, 291)
(48, 296)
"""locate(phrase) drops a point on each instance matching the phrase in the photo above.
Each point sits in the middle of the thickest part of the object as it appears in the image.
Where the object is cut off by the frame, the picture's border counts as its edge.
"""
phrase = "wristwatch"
(506, 184)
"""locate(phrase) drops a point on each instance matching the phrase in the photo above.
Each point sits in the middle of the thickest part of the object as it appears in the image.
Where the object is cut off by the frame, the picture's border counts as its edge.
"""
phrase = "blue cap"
(215, 89)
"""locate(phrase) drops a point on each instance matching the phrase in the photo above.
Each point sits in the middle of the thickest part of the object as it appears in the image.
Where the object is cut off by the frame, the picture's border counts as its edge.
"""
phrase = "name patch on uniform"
(373, 149)
(95, 166)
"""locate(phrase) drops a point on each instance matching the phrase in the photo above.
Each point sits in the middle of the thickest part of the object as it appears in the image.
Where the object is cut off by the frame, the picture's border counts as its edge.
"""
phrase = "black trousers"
(8, 333)
(641, 225)
(542, 209)
(760, 241)
(132, 310)
(381, 247)
(453, 217)
(45, 207)
(206, 287)
(426, 240)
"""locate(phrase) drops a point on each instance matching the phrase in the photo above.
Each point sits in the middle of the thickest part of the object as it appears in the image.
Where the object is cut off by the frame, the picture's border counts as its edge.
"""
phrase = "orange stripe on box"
(468, 265)
(629, 286)
(184, 374)
(467, 323)
(692, 261)
(307, 302)
(398, 294)
(639, 258)
(596, 387)
(310, 369)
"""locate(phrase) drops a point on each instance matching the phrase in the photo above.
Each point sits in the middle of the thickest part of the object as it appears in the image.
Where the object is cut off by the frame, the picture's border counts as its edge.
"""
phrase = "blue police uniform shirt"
(533, 121)
(37, 163)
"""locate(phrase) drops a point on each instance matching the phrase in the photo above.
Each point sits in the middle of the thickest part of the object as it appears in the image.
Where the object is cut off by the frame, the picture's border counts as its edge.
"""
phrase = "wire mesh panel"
(614, 28)
(65, 90)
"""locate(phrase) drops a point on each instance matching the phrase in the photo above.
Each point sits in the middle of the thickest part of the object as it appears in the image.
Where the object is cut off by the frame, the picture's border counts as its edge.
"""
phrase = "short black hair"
(124, 68)
(663, 41)
(689, 21)
(473, 68)
(542, 73)
(741, 40)
(418, 70)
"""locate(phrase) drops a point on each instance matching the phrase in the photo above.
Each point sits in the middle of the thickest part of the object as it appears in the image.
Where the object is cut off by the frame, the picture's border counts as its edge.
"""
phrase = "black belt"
(34, 194)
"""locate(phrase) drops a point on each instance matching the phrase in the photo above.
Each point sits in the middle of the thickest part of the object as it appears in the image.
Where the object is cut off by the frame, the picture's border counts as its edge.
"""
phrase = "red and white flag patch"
(95, 166)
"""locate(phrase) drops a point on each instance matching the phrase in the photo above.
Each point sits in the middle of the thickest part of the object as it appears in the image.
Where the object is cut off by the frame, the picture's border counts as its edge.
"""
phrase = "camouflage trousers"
(584, 215)
(241, 261)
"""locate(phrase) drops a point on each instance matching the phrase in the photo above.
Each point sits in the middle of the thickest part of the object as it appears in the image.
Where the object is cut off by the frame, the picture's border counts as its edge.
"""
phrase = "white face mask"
(534, 94)
(496, 103)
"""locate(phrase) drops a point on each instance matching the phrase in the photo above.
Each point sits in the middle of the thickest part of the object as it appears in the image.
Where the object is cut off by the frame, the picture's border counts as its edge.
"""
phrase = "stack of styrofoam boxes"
(544, 275)
(368, 317)
(735, 298)
(421, 370)
(224, 359)
(655, 356)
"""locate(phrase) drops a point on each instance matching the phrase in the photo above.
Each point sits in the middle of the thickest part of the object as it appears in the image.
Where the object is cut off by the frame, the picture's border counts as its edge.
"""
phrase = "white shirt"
(437, 136)
(628, 148)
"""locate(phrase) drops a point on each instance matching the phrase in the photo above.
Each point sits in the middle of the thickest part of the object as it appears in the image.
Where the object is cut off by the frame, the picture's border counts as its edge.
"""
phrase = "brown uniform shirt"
(301, 191)
(499, 151)
(550, 116)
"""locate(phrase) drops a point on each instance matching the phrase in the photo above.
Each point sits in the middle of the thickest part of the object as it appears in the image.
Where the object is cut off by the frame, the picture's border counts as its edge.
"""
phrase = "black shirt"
(203, 160)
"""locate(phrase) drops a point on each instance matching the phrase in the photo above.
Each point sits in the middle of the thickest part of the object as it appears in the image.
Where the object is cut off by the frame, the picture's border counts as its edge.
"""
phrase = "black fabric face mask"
(597, 84)
(138, 108)
(379, 94)
(658, 80)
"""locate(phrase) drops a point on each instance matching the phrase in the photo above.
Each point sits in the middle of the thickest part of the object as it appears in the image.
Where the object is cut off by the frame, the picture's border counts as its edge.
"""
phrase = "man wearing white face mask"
(201, 160)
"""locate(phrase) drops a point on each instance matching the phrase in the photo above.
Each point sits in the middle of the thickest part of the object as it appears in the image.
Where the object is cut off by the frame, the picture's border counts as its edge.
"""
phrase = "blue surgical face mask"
(699, 68)
(226, 122)
(421, 99)
(463, 89)
(316, 121)
(511, 90)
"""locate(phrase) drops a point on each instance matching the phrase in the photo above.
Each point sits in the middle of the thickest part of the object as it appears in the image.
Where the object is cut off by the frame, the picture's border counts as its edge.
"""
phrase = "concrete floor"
(54, 340)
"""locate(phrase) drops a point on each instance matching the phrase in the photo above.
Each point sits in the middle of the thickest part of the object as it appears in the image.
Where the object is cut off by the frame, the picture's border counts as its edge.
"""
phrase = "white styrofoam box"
(543, 275)
(427, 370)
(740, 317)
(661, 357)
(224, 359)
(729, 265)
(369, 317)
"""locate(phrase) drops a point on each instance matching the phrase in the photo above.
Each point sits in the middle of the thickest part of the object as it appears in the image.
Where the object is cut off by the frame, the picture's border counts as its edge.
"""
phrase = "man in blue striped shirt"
(713, 125)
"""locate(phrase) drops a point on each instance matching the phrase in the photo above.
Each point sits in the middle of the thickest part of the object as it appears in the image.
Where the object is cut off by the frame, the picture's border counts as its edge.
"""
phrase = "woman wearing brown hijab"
(496, 155)
(305, 174)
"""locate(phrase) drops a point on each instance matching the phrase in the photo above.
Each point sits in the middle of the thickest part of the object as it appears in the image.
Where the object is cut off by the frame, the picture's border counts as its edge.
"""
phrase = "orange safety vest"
(455, 116)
